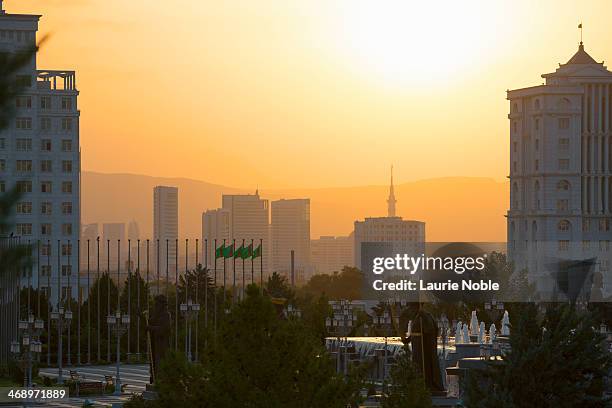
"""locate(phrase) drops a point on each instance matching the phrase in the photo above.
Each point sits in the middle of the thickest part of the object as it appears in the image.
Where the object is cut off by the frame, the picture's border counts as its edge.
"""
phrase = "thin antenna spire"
(580, 27)
(391, 201)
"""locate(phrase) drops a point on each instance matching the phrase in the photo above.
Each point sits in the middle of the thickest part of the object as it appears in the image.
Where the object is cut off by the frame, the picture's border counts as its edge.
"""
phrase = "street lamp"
(29, 331)
(384, 323)
(118, 325)
(190, 312)
(60, 317)
(342, 322)
(292, 312)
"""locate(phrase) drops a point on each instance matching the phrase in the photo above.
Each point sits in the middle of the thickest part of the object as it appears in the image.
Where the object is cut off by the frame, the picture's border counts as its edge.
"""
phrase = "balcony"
(56, 80)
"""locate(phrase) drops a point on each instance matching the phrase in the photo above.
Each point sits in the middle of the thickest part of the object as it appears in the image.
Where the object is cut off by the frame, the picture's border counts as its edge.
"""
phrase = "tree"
(137, 291)
(278, 287)
(555, 361)
(407, 388)
(346, 284)
(261, 359)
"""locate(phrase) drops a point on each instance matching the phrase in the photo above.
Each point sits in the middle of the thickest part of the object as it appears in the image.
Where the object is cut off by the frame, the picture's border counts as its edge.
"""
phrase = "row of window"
(45, 102)
(25, 166)
(46, 208)
(25, 123)
(25, 186)
(45, 270)
(25, 229)
(563, 145)
(19, 35)
(562, 165)
(562, 124)
(25, 145)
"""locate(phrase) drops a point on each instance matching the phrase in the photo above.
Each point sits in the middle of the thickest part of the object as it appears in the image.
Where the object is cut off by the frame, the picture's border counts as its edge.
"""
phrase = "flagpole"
(242, 269)
(215, 294)
(205, 297)
(224, 273)
(261, 262)
(234, 270)
(252, 249)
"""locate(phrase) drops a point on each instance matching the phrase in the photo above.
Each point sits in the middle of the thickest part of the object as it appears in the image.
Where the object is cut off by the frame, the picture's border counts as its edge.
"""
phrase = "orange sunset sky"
(306, 93)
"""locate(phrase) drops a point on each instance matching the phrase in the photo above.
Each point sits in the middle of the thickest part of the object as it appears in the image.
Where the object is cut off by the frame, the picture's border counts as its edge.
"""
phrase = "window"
(22, 80)
(45, 270)
(23, 166)
(66, 145)
(2, 165)
(604, 265)
(66, 290)
(537, 165)
(46, 166)
(67, 166)
(537, 124)
(514, 166)
(564, 143)
(66, 271)
(604, 224)
(46, 208)
(563, 245)
(562, 205)
(514, 127)
(2, 187)
(564, 225)
(24, 207)
(604, 245)
(564, 123)
(23, 145)
(66, 249)
(45, 186)
(45, 145)
(45, 102)
(66, 124)
(67, 187)
(563, 185)
(23, 123)
(585, 226)
(514, 147)
(537, 104)
(67, 208)
(67, 229)
(24, 186)
(23, 229)
(586, 245)
(66, 103)
(2, 143)
(563, 164)
(537, 144)
(45, 229)
(23, 102)
(45, 124)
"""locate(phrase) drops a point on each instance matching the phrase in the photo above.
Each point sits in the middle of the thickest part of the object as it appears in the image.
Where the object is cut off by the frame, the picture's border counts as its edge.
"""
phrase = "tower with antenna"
(391, 201)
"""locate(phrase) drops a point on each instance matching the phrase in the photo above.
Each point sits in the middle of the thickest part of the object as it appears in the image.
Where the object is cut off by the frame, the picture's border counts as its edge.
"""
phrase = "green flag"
(238, 252)
(219, 252)
(257, 252)
(247, 252)
(228, 251)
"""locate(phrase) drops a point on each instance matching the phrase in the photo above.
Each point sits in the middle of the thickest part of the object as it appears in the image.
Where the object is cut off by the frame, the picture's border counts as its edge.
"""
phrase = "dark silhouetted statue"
(159, 328)
(424, 341)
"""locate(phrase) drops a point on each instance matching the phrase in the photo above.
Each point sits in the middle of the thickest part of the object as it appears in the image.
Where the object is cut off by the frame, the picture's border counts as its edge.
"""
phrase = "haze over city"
(241, 92)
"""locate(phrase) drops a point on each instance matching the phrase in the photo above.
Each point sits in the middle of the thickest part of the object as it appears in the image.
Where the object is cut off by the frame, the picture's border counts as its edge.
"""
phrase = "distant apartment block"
(165, 226)
(290, 222)
(40, 154)
(330, 254)
(215, 231)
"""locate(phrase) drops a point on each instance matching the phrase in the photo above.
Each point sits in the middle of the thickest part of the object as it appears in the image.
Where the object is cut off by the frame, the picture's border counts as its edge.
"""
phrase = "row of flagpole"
(64, 251)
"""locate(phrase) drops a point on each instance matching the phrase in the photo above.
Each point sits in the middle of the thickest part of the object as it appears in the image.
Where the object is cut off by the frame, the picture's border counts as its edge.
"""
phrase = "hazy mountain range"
(454, 208)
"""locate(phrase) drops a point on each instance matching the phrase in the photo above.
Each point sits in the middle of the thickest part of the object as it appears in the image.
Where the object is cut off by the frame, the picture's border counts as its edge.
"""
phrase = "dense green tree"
(277, 286)
(346, 284)
(406, 387)
(557, 360)
(261, 359)
(137, 291)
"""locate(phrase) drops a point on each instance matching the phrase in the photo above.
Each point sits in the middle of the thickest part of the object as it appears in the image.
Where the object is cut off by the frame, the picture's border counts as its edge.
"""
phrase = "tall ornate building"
(40, 155)
(560, 171)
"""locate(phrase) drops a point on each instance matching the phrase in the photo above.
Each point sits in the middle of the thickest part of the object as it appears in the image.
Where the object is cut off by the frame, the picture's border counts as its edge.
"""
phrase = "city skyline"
(390, 104)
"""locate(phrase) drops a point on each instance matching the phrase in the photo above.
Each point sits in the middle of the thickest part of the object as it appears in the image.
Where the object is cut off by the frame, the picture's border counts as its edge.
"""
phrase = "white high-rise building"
(330, 254)
(165, 227)
(39, 153)
(290, 221)
(215, 229)
(250, 220)
(560, 171)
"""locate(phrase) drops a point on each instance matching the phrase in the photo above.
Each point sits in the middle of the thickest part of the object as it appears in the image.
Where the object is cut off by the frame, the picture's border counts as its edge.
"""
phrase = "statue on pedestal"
(424, 343)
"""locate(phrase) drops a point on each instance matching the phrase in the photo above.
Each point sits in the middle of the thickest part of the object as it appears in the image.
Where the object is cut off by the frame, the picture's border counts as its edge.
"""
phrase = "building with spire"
(387, 236)
(391, 200)
(560, 172)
